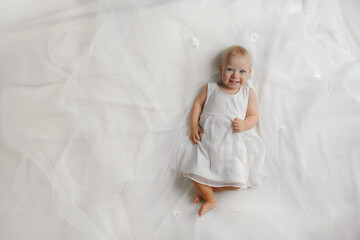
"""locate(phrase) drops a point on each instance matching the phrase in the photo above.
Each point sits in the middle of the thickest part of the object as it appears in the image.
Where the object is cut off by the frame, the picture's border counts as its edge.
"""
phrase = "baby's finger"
(236, 128)
(201, 131)
(198, 137)
(192, 139)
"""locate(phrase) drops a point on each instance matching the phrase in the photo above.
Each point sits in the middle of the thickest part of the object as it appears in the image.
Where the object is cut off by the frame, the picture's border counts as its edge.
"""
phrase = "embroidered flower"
(177, 213)
(194, 42)
(281, 128)
(254, 37)
(236, 213)
(317, 76)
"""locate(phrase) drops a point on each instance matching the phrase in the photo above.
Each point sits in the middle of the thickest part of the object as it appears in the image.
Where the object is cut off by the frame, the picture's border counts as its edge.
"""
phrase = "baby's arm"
(196, 110)
(251, 118)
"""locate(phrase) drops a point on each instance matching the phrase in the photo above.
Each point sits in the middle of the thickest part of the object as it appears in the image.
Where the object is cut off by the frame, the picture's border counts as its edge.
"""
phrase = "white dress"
(223, 158)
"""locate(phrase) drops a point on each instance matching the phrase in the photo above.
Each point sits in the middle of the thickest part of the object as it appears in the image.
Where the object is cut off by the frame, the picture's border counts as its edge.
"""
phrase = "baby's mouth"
(234, 81)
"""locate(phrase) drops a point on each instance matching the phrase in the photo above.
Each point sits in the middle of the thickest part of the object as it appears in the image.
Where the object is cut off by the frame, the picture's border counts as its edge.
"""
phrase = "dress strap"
(211, 86)
(210, 89)
(246, 94)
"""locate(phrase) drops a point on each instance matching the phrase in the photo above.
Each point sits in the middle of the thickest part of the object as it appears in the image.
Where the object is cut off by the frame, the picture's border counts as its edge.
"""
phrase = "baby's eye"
(242, 71)
(229, 69)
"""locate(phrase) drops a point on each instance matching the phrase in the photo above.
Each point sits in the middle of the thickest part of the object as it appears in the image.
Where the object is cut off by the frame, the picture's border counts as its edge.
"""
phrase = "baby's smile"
(234, 82)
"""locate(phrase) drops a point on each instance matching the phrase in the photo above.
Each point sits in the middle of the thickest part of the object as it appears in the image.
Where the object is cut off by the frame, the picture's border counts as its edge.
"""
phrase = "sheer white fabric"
(94, 95)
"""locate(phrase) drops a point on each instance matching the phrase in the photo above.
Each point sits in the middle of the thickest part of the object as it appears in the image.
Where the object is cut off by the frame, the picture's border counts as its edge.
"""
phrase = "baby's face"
(235, 71)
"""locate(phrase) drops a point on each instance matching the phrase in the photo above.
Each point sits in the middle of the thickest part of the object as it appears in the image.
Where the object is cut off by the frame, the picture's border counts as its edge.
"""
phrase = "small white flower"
(254, 37)
(176, 213)
(281, 128)
(296, 6)
(194, 42)
(317, 76)
(236, 213)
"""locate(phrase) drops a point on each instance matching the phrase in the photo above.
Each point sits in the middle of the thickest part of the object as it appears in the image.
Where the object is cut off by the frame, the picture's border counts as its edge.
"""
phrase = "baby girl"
(223, 152)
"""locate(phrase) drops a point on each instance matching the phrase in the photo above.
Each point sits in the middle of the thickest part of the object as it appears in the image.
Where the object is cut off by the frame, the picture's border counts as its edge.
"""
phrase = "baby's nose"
(236, 74)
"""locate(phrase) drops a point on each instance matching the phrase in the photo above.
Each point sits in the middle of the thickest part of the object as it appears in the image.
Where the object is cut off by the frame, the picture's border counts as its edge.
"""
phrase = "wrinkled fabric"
(94, 95)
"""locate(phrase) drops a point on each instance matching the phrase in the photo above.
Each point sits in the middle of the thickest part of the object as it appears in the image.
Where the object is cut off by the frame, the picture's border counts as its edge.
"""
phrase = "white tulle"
(94, 95)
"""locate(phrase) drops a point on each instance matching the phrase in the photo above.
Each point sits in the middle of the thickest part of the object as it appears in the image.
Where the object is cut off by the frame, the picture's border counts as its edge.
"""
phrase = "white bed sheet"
(95, 95)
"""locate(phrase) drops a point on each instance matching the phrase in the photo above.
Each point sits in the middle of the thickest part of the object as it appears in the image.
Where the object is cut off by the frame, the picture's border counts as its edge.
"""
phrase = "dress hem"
(241, 186)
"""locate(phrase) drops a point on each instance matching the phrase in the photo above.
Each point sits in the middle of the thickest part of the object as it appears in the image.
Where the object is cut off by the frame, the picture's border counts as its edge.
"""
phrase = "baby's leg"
(207, 193)
(197, 197)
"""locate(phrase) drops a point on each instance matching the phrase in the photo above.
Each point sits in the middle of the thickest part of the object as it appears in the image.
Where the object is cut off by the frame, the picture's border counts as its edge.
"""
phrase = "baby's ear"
(220, 68)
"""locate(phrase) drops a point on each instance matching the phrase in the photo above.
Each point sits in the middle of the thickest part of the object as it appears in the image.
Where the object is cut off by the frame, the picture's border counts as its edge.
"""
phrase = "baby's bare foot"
(206, 207)
(197, 197)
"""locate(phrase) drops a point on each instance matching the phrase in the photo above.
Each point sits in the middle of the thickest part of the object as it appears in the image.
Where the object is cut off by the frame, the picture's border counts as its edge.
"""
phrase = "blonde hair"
(235, 50)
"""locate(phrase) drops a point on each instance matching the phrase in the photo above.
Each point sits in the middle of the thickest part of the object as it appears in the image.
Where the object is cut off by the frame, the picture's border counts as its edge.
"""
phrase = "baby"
(224, 151)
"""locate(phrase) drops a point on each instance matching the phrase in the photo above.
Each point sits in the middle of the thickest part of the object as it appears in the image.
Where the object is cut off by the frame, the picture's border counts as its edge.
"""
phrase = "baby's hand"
(238, 125)
(195, 134)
